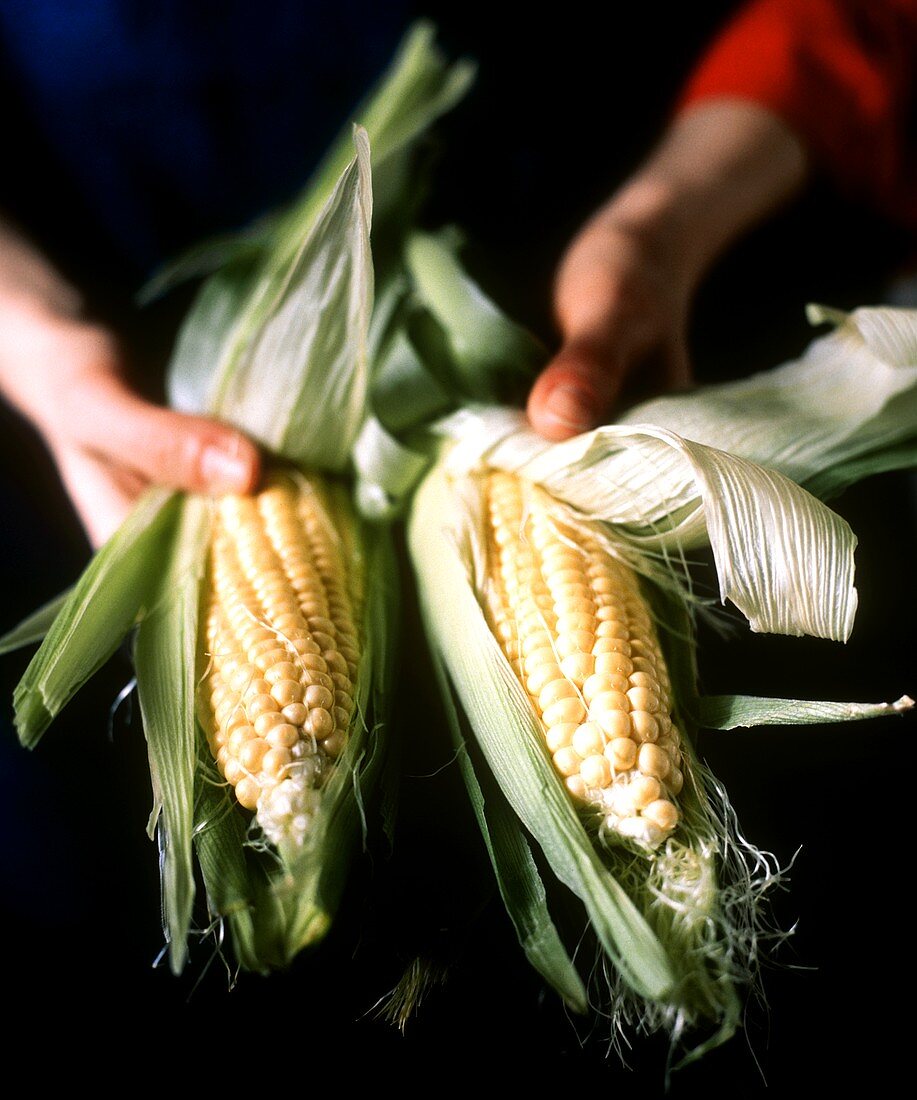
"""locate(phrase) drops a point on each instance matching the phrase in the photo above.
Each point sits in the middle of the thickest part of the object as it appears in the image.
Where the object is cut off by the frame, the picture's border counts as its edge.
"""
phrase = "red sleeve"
(841, 74)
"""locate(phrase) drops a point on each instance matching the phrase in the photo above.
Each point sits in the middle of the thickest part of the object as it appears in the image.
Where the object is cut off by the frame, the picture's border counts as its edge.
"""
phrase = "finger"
(656, 371)
(576, 391)
(163, 446)
(102, 496)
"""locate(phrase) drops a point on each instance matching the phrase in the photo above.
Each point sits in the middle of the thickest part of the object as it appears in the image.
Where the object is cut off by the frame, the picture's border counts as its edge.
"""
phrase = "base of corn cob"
(282, 627)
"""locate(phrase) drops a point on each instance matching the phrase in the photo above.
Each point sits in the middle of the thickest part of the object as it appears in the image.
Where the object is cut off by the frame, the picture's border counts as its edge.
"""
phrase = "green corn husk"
(277, 342)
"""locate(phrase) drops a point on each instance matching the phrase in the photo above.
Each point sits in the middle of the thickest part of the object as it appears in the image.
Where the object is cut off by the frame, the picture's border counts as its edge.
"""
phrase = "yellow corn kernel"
(588, 739)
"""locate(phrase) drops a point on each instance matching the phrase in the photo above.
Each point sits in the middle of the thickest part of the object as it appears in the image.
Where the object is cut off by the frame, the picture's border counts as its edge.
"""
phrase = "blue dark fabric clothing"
(148, 125)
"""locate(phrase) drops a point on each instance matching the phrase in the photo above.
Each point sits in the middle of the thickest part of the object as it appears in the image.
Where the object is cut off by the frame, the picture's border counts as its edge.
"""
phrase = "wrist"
(29, 279)
(628, 269)
(44, 355)
(657, 221)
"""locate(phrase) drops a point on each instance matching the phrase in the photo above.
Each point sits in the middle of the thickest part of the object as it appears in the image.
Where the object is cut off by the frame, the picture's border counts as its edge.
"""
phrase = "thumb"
(164, 446)
(576, 390)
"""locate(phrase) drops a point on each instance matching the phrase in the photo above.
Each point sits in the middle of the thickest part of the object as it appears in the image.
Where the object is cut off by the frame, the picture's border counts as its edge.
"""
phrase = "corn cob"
(282, 626)
(573, 624)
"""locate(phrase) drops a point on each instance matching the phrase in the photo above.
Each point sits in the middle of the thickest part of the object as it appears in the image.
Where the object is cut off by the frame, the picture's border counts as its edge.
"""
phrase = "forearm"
(38, 307)
(722, 166)
(29, 281)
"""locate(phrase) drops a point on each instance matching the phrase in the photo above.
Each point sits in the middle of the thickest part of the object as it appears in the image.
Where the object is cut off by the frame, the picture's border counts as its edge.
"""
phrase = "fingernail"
(571, 407)
(224, 470)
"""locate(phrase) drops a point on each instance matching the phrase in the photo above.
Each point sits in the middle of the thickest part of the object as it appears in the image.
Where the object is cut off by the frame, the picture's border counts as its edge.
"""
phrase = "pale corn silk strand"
(282, 621)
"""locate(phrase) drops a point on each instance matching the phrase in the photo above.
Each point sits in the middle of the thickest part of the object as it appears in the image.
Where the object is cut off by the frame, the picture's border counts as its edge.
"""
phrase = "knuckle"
(191, 452)
(172, 455)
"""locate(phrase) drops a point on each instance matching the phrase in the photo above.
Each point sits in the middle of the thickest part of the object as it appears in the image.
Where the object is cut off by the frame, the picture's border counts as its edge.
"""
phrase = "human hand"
(67, 377)
(621, 301)
(625, 285)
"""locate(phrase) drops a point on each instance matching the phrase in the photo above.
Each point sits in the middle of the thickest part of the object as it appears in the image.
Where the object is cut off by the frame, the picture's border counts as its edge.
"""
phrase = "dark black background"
(564, 107)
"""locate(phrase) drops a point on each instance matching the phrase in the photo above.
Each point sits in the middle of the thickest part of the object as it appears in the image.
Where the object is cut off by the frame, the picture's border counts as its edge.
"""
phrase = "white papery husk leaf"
(783, 558)
(851, 392)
